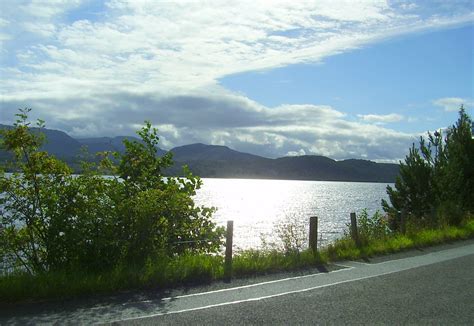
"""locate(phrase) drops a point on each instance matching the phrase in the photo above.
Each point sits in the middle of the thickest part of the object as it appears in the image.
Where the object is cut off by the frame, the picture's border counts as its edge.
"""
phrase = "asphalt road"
(442, 293)
(431, 287)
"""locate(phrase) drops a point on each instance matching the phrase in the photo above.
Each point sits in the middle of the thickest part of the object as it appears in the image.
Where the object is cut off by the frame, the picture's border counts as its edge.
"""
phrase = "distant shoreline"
(215, 161)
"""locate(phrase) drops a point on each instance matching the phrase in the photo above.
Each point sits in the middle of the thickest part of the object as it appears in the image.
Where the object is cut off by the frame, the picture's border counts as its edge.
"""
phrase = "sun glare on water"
(256, 205)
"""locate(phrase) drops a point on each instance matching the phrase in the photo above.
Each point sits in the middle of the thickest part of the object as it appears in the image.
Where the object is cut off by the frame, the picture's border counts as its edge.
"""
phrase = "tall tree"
(456, 177)
(437, 179)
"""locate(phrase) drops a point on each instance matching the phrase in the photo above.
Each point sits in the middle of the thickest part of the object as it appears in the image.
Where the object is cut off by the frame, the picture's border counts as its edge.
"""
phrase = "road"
(421, 287)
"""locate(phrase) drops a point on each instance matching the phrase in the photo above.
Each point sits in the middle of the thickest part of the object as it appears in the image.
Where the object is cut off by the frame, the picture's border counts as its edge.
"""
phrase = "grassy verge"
(254, 262)
(346, 248)
(193, 269)
(159, 273)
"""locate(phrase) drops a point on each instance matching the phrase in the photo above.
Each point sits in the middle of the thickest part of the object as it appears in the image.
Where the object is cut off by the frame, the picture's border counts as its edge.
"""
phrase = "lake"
(256, 205)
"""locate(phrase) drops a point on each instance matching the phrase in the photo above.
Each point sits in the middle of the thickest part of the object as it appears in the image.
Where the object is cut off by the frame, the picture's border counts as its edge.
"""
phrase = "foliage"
(254, 262)
(168, 271)
(51, 220)
(436, 180)
(346, 248)
(373, 227)
(159, 274)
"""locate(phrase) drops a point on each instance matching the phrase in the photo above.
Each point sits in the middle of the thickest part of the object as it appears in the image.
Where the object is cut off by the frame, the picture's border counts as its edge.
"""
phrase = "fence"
(312, 239)
(6, 263)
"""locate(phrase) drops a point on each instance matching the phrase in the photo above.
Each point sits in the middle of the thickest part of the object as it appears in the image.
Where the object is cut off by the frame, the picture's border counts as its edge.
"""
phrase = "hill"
(63, 146)
(103, 144)
(57, 143)
(224, 162)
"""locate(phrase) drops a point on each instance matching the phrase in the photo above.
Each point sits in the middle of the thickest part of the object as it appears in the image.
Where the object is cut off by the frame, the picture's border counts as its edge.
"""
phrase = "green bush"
(52, 220)
(373, 227)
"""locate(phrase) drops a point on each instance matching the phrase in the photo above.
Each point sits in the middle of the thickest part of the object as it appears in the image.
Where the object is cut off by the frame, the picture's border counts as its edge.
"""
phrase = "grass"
(254, 262)
(346, 248)
(161, 273)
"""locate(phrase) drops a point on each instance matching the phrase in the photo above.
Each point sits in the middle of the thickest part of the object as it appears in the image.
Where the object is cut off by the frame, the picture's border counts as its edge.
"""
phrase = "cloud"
(48, 8)
(384, 118)
(451, 104)
(296, 153)
(161, 61)
(164, 47)
(408, 6)
(223, 118)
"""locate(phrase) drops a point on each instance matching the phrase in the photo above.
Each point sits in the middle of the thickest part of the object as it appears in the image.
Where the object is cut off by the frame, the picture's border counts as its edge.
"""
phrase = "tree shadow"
(87, 310)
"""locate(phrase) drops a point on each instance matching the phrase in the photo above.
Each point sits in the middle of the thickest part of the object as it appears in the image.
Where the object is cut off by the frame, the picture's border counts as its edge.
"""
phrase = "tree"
(456, 172)
(412, 187)
(436, 179)
(53, 220)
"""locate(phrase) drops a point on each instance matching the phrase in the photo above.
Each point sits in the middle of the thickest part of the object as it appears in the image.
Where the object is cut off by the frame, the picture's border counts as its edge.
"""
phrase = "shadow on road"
(85, 310)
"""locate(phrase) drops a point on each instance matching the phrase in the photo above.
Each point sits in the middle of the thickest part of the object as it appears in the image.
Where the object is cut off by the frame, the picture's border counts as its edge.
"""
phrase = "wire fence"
(265, 240)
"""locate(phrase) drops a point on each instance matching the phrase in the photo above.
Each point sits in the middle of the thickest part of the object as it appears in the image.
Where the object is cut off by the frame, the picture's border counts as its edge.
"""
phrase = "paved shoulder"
(361, 286)
(437, 294)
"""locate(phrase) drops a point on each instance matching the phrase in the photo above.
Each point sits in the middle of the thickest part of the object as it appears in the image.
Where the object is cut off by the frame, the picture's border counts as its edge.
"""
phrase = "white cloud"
(224, 118)
(165, 47)
(451, 104)
(40, 28)
(46, 9)
(381, 118)
(301, 152)
(408, 6)
(162, 61)
(4, 22)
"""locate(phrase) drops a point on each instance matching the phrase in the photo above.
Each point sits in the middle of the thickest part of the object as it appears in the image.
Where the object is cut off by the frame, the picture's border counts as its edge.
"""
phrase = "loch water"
(257, 205)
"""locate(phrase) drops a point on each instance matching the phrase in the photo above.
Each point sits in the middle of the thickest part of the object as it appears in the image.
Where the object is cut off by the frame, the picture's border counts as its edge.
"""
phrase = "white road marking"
(259, 298)
(424, 260)
(241, 287)
(346, 264)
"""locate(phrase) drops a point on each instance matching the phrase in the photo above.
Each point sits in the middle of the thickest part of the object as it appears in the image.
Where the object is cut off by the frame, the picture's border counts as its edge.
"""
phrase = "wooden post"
(354, 231)
(433, 215)
(398, 221)
(313, 233)
(402, 219)
(228, 251)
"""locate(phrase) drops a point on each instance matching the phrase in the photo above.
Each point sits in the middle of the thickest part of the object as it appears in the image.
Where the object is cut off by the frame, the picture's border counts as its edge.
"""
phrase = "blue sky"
(344, 79)
(400, 76)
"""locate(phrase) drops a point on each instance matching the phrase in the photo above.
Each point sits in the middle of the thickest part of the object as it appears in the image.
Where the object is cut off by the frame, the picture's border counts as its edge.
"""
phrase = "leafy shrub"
(372, 228)
(51, 220)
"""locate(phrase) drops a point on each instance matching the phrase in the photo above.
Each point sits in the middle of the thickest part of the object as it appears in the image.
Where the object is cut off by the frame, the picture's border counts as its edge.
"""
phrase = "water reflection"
(255, 205)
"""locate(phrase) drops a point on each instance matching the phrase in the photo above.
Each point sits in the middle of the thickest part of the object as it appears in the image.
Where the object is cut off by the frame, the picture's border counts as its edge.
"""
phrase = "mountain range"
(223, 162)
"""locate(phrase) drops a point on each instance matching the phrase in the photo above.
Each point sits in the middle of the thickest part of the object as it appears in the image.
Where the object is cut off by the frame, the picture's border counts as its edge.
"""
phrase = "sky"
(344, 79)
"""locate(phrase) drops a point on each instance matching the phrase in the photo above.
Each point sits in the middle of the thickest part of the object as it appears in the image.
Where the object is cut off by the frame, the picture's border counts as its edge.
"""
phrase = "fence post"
(433, 215)
(228, 251)
(354, 231)
(401, 218)
(313, 233)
